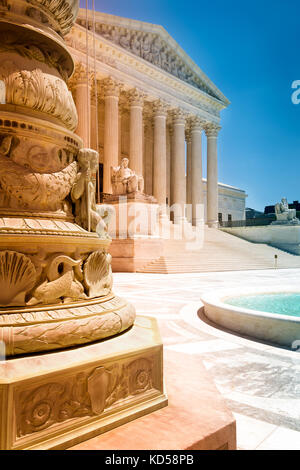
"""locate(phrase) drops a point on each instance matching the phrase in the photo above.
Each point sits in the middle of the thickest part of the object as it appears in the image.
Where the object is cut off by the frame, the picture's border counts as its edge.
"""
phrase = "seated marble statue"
(125, 181)
(284, 214)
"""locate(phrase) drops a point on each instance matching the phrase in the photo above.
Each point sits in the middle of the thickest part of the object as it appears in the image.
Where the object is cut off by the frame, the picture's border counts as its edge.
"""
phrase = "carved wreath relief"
(85, 394)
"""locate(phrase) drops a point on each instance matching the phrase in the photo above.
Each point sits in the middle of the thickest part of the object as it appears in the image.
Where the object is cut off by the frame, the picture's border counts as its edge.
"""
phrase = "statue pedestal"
(58, 399)
(135, 231)
(133, 216)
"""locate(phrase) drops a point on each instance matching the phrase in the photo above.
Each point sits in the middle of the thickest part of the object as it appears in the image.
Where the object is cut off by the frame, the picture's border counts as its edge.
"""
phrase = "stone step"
(220, 252)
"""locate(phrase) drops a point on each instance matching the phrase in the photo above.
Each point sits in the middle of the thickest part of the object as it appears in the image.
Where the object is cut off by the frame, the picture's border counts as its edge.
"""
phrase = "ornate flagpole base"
(56, 400)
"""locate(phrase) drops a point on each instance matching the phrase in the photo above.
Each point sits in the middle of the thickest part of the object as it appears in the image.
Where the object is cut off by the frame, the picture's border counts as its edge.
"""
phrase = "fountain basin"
(268, 314)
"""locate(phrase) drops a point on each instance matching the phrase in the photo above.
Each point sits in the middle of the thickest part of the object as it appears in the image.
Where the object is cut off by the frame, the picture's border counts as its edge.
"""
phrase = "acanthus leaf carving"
(45, 93)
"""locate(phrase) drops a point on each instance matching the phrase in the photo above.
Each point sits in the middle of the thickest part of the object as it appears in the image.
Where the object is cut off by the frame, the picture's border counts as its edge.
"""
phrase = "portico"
(151, 97)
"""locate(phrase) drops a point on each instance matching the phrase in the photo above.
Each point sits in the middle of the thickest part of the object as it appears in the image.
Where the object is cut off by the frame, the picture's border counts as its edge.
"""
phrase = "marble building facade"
(154, 106)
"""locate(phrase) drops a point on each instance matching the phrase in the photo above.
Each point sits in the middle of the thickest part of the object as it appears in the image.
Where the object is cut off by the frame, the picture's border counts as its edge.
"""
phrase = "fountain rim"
(218, 300)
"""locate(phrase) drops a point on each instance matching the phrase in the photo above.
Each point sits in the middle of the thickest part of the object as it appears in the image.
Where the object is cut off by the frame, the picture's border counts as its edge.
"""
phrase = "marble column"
(148, 156)
(178, 166)
(168, 182)
(196, 171)
(188, 139)
(136, 101)
(82, 84)
(160, 152)
(94, 120)
(212, 131)
(111, 131)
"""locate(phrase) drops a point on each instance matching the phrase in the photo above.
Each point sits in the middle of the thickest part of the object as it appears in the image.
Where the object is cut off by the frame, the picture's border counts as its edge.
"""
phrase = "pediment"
(153, 44)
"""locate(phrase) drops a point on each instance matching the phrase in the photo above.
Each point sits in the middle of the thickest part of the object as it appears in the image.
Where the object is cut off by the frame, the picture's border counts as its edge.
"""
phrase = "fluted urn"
(55, 273)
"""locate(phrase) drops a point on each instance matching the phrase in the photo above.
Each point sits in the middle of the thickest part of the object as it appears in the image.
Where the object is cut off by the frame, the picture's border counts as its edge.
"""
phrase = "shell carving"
(17, 277)
(97, 274)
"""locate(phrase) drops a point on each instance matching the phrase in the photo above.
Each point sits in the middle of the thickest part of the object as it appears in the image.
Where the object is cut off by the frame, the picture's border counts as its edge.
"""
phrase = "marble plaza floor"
(260, 382)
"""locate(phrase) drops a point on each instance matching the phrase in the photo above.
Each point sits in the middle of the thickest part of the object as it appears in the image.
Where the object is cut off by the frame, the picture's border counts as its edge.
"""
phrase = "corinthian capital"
(111, 87)
(197, 123)
(212, 129)
(136, 97)
(179, 116)
(80, 76)
(160, 108)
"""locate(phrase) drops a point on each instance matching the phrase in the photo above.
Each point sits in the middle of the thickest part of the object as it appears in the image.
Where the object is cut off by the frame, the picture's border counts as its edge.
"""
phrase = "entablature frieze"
(154, 45)
(131, 70)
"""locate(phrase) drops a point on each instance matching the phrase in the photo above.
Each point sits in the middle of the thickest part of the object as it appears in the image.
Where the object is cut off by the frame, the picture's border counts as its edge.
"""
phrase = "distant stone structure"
(284, 214)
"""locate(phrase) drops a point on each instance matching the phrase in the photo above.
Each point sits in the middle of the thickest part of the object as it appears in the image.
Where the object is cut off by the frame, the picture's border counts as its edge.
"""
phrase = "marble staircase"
(220, 251)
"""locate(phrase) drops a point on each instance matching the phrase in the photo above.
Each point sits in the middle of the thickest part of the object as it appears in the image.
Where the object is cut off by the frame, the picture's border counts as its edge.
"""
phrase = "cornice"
(121, 60)
(132, 30)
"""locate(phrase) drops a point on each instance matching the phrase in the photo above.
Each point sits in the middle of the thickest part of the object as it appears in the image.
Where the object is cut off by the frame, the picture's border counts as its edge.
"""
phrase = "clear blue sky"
(250, 50)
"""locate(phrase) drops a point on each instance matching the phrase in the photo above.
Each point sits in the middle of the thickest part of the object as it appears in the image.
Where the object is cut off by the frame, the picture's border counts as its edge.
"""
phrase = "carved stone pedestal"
(58, 399)
(55, 269)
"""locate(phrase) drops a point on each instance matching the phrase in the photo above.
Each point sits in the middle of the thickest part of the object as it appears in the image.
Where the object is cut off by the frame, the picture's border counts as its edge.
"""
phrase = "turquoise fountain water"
(283, 304)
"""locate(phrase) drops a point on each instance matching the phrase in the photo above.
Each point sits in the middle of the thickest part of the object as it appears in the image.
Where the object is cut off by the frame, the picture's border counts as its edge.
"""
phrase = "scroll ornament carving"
(152, 48)
(83, 395)
(42, 92)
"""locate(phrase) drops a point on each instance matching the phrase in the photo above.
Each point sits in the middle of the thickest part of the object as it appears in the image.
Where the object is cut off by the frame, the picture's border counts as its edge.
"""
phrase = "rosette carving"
(83, 394)
(140, 376)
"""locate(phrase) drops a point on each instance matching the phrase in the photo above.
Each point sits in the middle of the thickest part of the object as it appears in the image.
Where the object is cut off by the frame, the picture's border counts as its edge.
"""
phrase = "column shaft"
(83, 106)
(168, 182)
(196, 171)
(111, 132)
(136, 131)
(160, 154)
(178, 170)
(212, 175)
(188, 166)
